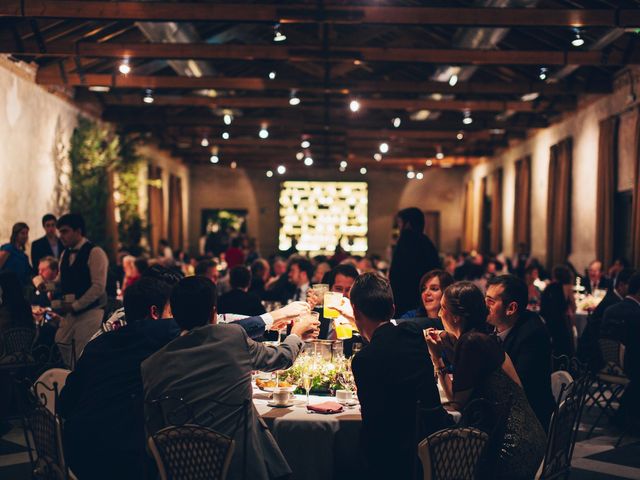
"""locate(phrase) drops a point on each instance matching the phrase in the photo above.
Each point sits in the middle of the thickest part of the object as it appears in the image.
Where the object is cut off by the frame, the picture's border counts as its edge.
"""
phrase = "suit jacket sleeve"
(254, 326)
(269, 358)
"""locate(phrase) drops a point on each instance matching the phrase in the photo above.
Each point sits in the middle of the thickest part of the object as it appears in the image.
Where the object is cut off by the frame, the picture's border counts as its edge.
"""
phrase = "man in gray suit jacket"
(210, 363)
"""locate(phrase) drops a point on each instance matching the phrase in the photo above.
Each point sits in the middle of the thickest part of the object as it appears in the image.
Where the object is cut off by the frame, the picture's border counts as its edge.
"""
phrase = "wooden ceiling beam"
(53, 76)
(335, 14)
(192, 51)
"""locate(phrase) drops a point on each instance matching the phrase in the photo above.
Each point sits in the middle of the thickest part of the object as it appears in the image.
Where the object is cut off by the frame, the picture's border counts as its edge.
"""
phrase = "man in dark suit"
(49, 245)
(625, 317)
(525, 339)
(393, 372)
(210, 362)
(414, 255)
(238, 300)
(595, 279)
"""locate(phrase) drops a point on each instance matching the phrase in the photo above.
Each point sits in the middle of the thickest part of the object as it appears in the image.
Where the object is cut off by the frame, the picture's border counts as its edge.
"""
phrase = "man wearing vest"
(83, 278)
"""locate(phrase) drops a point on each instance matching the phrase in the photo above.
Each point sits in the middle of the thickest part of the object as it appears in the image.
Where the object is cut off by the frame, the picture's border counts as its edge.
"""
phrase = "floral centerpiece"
(326, 375)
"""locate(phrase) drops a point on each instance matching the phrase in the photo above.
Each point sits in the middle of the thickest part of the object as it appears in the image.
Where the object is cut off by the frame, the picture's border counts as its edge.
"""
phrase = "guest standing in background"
(83, 278)
(557, 307)
(12, 255)
(234, 254)
(413, 256)
(49, 245)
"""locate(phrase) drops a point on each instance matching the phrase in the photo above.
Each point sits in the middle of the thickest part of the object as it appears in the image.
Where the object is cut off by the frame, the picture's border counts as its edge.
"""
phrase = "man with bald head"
(595, 278)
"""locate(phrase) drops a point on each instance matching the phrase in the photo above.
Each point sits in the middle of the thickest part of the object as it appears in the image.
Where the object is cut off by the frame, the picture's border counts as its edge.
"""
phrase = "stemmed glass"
(306, 383)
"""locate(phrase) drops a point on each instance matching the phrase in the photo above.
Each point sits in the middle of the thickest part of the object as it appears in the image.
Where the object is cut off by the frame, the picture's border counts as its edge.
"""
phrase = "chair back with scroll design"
(452, 454)
(16, 346)
(563, 430)
(559, 381)
(46, 431)
(47, 387)
(191, 452)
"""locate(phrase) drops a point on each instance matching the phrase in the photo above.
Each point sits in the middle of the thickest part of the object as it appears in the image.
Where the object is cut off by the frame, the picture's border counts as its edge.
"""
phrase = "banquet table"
(317, 446)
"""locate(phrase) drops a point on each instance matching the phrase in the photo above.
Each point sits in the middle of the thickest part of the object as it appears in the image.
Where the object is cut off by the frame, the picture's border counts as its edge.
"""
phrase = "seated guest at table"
(588, 348)
(619, 264)
(131, 273)
(432, 285)
(49, 245)
(238, 300)
(48, 270)
(595, 278)
(212, 361)
(524, 338)
(300, 273)
(625, 316)
(483, 370)
(208, 268)
(392, 373)
(557, 307)
(102, 399)
(260, 273)
(12, 255)
(532, 280)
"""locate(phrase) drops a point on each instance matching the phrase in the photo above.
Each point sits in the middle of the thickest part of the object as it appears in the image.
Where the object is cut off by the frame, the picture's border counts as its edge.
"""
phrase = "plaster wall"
(220, 187)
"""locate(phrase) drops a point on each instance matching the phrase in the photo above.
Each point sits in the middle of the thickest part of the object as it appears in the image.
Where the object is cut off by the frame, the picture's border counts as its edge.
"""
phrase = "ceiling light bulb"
(343, 164)
(214, 159)
(308, 161)
(578, 41)
(377, 157)
(305, 144)
(227, 119)
(460, 136)
(263, 133)
(428, 163)
(269, 173)
(148, 96)
(300, 155)
(294, 99)
(354, 105)
(543, 73)
(204, 142)
(453, 79)
(439, 155)
(278, 36)
(419, 176)
(467, 120)
(225, 135)
(342, 169)
(281, 169)
(233, 164)
(363, 171)
(124, 67)
(384, 147)
(396, 122)
(272, 75)
(411, 174)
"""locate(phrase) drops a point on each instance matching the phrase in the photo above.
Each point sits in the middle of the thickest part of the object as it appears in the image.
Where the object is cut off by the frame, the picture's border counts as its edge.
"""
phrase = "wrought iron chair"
(48, 386)
(559, 381)
(16, 346)
(175, 411)
(611, 381)
(452, 454)
(191, 452)
(563, 430)
(46, 432)
(48, 356)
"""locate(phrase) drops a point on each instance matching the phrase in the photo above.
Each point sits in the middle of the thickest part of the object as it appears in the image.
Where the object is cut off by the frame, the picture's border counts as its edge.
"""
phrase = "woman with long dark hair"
(557, 307)
(481, 369)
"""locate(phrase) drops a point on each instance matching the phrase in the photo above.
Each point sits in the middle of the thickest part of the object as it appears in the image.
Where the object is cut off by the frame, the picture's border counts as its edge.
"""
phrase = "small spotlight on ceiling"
(342, 169)
(467, 120)
(227, 119)
(204, 142)
(577, 41)
(428, 163)
(305, 144)
(396, 122)
(411, 174)
(233, 164)
(300, 155)
(419, 176)
(343, 164)
(294, 99)
(214, 159)
(272, 75)
(263, 133)
(99, 88)
(281, 169)
(377, 157)
(278, 36)
(439, 155)
(354, 105)
(124, 68)
(269, 173)
(460, 136)
(225, 135)
(543, 73)
(363, 171)
(308, 161)
(453, 79)
(148, 96)
(384, 147)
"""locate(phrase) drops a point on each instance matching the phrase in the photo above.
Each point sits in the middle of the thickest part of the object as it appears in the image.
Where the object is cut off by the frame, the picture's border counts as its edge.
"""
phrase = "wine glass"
(306, 384)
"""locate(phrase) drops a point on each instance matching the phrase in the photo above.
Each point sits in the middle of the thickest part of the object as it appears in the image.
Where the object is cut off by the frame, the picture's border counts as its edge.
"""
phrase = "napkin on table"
(326, 407)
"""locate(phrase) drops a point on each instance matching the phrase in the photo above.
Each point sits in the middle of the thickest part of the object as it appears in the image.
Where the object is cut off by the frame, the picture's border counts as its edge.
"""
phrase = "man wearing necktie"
(83, 279)
(300, 273)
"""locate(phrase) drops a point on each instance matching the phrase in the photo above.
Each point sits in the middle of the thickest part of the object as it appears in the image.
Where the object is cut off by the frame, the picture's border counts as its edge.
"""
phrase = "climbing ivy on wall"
(104, 175)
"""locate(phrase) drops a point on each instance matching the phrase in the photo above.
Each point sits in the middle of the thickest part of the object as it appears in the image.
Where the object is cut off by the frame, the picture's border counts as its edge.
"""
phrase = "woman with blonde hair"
(12, 255)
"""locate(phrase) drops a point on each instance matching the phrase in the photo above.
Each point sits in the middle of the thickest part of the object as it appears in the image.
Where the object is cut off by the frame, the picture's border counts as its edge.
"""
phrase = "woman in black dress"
(481, 369)
(557, 307)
